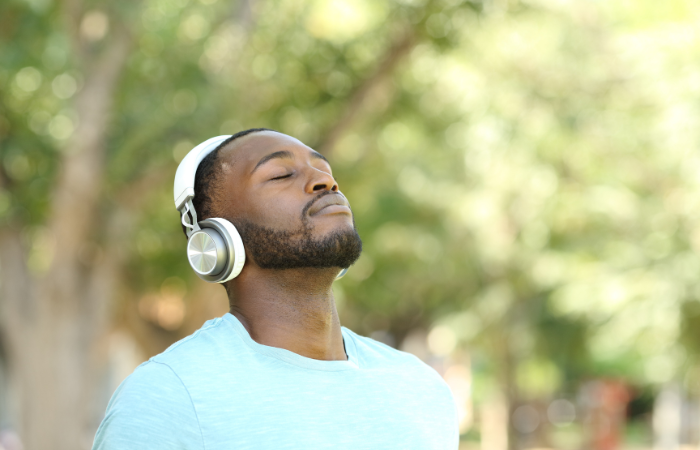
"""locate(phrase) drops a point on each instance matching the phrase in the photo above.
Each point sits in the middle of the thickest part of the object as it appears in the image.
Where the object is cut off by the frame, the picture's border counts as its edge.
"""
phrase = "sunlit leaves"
(532, 170)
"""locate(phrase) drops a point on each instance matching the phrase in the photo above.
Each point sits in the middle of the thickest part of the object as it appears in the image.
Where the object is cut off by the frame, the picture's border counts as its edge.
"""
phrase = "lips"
(326, 201)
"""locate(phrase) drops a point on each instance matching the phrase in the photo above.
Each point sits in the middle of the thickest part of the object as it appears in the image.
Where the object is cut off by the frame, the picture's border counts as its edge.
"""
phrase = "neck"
(292, 309)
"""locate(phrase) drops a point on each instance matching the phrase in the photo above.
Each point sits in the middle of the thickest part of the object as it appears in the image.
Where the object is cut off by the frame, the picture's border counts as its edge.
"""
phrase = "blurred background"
(525, 175)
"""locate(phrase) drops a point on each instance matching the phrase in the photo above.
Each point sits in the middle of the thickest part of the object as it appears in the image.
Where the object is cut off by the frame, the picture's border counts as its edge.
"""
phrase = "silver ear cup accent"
(206, 252)
(342, 273)
(232, 256)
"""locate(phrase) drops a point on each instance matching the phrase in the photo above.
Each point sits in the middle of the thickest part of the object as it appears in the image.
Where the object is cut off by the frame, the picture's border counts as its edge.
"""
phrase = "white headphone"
(214, 247)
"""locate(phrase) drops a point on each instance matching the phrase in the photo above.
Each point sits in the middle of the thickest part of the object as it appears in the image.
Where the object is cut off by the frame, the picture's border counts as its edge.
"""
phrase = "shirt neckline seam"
(351, 363)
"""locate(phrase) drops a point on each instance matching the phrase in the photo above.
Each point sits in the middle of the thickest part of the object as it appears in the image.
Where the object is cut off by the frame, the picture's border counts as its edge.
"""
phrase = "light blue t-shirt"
(219, 389)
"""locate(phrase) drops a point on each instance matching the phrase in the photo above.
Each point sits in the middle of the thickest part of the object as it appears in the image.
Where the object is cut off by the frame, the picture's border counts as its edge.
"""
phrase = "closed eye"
(281, 177)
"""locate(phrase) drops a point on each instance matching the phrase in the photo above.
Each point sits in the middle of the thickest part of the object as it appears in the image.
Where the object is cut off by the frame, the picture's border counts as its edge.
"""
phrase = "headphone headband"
(184, 177)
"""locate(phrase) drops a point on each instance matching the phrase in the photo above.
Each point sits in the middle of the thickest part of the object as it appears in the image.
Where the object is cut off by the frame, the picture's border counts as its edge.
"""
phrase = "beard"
(279, 249)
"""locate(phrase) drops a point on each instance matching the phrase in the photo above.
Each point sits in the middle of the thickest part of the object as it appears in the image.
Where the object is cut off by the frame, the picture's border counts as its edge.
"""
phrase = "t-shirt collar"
(294, 358)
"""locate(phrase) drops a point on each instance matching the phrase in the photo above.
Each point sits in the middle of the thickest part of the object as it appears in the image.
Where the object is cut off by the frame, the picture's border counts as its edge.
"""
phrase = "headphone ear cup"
(216, 251)
(207, 252)
(342, 273)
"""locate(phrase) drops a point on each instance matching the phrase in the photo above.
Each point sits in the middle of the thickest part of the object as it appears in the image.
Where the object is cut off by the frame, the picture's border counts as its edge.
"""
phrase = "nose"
(320, 181)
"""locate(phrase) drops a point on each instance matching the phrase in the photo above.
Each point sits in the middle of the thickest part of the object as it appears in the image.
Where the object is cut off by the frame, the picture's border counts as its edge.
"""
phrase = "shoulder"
(374, 353)
(154, 381)
(214, 344)
(154, 405)
(151, 407)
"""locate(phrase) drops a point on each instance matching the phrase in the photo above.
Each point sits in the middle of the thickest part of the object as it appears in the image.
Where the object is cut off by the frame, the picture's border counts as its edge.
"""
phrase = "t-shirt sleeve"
(151, 409)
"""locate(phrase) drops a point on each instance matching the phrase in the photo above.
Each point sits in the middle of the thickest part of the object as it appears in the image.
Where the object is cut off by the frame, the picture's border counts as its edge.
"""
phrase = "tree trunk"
(52, 321)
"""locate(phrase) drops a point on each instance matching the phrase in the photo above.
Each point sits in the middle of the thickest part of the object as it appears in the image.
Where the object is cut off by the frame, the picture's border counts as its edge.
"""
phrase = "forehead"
(248, 150)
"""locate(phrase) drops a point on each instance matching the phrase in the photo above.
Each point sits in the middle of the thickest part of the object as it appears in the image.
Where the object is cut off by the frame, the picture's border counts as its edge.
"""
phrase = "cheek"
(275, 212)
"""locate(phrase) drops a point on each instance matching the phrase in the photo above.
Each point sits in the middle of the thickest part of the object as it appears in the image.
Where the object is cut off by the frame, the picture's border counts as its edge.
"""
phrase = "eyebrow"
(285, 154)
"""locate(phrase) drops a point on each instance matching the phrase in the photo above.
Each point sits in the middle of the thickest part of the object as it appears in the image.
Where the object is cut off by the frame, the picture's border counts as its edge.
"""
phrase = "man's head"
(281, 196)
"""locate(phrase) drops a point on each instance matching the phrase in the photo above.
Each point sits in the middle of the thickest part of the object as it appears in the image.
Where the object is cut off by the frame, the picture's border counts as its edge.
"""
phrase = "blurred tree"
(94, 105)
(55, 299)
(523, 175)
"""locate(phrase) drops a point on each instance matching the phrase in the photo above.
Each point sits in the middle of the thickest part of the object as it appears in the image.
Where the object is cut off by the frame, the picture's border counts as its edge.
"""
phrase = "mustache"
(305, 211)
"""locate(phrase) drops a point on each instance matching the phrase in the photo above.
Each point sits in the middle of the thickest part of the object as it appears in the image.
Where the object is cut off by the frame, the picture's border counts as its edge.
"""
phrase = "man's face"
(282, 197)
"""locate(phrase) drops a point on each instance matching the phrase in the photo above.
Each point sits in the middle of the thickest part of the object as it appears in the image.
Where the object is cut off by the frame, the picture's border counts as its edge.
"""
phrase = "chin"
(310, 247)
(339, 248)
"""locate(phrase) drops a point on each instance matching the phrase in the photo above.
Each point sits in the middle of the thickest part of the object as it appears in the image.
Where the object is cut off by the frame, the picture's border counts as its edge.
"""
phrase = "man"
(279, 371)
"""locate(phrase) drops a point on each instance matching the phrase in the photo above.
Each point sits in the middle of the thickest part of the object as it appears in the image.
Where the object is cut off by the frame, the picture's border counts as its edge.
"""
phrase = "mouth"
(331, 203)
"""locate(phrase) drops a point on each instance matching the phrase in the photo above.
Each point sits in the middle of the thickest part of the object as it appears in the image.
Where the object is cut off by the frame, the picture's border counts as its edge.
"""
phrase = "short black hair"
(208, 177)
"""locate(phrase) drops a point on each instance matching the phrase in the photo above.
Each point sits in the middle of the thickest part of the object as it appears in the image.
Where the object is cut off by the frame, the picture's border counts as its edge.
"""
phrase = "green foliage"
(527, 177)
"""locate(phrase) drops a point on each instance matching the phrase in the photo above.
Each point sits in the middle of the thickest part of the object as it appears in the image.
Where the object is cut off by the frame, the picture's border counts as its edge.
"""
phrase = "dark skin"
(270, 178)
